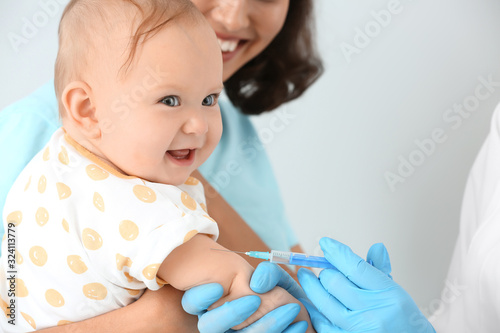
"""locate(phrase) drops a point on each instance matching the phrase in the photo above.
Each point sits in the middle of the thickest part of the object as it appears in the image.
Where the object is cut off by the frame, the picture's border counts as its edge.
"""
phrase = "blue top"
(239, 167)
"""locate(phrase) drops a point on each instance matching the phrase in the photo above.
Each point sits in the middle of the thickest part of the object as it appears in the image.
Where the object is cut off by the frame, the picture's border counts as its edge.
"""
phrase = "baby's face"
(163, 121)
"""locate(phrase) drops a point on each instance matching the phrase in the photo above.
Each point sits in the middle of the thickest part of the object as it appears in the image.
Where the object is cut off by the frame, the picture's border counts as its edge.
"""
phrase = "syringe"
(288, 258)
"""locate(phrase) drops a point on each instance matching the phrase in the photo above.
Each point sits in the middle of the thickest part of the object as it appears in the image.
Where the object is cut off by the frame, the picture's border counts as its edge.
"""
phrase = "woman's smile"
(230, 45)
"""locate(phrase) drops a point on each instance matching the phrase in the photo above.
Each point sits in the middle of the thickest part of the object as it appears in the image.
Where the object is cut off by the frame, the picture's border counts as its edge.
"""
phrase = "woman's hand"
(197, 300)
(265, 277)
(358, 297)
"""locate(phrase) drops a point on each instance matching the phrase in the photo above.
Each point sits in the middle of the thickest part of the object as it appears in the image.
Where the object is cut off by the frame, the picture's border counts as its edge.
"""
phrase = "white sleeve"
(137, 227)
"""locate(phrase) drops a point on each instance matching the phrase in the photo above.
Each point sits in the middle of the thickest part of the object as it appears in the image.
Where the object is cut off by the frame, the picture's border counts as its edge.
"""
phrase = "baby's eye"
(170, 101)
(210, 100)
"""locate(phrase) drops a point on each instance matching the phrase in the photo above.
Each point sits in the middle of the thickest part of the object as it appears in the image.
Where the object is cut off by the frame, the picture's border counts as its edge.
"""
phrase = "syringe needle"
(228, 251)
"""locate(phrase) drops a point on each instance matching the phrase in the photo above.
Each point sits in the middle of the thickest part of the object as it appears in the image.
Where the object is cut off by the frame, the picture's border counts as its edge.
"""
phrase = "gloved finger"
(346, 292)
(326, 303)
(379, 258)
(228, 315)
(275, 321)
(320, 322)
(298, 327)
(267, 276)
(198, 299)
(353, 266)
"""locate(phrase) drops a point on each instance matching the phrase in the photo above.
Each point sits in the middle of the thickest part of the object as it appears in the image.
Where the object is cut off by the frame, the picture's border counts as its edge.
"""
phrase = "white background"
(335, 144)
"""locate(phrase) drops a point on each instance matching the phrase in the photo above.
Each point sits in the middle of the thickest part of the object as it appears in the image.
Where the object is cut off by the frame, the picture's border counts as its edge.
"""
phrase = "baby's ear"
(77, 100)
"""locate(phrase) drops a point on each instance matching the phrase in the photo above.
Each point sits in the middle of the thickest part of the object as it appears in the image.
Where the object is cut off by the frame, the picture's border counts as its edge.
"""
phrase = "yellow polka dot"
(29, 320)
(150, 271)
(190, 235)
(15, 217)
(129, 278)
(3, 304)
(64, 322)
(188, 201)
(95, 291)
(21, 290)
(183, 214)
(98, 201)
(54, 298)
(42, 184)
(19, 258)
(46, 154)
(204, 207)
(42, 216)
(128, 230)
(65, 225)
(27, 184)
(76, 264)
(91, 239)
(208, 217)
(96, 173)
(122, 261)
(38, 255)
(133, 292)
(144, 193)
(63, 156)
(191, 181)
(63, 190)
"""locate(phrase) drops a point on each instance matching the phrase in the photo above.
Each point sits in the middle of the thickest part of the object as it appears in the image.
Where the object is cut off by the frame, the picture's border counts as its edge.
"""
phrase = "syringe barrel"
(280, 257)
(299, 259)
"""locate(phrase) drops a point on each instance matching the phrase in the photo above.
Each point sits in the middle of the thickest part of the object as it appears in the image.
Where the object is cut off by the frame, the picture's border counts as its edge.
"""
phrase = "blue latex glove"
(358, 297)
(266, 276)
(196, 301)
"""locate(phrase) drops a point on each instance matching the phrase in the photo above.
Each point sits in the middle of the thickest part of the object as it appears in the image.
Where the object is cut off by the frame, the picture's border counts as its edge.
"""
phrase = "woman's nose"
(232, 14)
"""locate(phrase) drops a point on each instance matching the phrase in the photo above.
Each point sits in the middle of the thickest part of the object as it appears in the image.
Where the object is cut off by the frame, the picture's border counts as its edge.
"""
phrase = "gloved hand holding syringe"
(288, 258)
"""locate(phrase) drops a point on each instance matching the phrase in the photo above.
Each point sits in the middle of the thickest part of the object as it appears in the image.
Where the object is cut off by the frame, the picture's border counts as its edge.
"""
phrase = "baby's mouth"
(180, 154)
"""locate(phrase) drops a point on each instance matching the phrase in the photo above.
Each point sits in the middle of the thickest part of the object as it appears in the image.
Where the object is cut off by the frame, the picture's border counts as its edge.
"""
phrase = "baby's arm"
(194, 263)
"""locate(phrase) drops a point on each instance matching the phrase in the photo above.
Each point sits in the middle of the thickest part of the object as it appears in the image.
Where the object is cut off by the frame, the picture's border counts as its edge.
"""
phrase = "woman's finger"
(353, 266)
(267, 276)
(326, 304)
(379, 258)
(276, 321)
(198, 299)
(228, 315)
(320, 322)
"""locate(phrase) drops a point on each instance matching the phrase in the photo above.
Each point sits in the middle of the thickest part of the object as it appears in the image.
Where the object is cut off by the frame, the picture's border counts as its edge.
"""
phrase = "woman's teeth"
(227, 45)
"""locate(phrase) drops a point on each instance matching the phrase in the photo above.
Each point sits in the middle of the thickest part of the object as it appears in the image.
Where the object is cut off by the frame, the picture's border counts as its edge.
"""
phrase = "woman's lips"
(230, 46)
(181, 157)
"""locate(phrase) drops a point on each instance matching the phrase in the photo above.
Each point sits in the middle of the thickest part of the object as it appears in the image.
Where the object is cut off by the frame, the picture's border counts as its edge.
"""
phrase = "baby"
(108, 207)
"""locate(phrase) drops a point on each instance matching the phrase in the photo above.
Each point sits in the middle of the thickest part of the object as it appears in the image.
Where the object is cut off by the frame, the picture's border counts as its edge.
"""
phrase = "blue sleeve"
(241, 172)
(25, 127)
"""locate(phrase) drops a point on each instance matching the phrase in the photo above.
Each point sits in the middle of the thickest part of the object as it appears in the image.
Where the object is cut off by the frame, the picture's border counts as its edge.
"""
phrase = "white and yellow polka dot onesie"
(86, 238)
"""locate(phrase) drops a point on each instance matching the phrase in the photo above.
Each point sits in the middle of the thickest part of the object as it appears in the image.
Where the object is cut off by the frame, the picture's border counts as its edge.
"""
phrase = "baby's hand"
(273, 299)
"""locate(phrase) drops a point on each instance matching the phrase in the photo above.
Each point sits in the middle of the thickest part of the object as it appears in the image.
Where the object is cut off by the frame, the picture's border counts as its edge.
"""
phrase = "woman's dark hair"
(284, 70)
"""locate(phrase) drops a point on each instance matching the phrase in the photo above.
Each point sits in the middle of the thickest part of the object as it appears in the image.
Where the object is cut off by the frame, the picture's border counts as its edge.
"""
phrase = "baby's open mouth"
(180, 154)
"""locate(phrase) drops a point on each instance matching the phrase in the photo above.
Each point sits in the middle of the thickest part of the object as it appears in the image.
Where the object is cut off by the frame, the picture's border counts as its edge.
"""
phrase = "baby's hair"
(88, 25)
